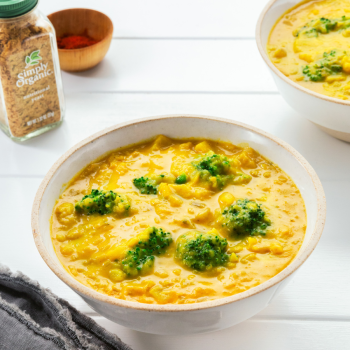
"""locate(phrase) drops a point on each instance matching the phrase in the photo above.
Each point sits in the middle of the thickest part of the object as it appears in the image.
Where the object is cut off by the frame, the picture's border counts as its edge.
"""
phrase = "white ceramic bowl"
(190, 318)
(330, 114)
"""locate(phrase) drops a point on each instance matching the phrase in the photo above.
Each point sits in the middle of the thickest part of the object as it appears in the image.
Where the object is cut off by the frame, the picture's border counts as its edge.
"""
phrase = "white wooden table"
(191, 56)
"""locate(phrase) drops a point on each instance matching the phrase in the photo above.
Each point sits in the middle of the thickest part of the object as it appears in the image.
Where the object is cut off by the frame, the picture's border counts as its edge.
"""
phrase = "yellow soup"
(310, 45)
(178, 221)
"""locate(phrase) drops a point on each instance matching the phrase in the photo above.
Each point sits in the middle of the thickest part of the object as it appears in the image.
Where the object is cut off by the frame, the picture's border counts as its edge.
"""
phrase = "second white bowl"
(330, 114)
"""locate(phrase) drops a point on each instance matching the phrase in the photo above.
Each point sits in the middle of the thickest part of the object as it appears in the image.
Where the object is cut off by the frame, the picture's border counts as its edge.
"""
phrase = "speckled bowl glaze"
(188, 318)
(332, 115)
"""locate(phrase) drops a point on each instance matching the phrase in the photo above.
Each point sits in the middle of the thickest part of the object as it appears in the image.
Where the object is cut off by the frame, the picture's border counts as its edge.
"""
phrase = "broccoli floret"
(136, 263)
(214, 171)
(316, 26)
(214, 168)
(149, 184)
(140, 259)
(244, 217)
(322, 26)
(214, 164)
(321, 69)
(201, 251)
(156, 242)
(103, 202)
(182, 179)
(146, 185)
(343, 23)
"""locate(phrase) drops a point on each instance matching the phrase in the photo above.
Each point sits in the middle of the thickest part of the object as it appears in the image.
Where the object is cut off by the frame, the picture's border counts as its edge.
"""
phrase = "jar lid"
(15, 8)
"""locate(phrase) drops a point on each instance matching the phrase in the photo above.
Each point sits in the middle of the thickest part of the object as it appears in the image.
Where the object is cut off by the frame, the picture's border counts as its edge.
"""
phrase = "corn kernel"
(276, 248)
(117, 275)
(280, 53)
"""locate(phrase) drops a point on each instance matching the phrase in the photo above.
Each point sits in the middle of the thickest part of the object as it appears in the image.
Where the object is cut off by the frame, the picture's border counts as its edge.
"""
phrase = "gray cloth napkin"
(33, 318)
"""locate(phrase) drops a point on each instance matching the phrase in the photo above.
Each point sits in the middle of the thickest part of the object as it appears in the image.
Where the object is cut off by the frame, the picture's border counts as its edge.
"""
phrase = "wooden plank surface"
(198, 57)
(176, 66)
(249, 335)
(172, 18)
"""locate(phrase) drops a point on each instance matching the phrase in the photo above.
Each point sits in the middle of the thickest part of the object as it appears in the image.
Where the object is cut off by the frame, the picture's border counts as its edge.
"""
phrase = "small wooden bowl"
(78, 21)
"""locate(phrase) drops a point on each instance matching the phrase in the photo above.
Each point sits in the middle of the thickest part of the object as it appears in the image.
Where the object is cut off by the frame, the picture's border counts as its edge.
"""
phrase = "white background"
(191, 56)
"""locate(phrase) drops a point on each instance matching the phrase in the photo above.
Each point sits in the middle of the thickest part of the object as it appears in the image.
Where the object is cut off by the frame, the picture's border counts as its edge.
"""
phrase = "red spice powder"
(75, 42)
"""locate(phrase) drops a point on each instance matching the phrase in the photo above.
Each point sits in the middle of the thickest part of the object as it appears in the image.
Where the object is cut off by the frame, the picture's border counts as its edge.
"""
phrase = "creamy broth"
(185, 201)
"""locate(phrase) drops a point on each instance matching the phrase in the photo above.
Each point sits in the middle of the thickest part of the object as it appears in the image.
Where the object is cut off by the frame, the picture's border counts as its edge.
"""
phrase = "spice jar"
(31, 93)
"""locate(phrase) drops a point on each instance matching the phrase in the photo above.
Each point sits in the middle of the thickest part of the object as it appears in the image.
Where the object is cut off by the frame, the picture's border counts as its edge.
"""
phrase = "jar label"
(29, 85)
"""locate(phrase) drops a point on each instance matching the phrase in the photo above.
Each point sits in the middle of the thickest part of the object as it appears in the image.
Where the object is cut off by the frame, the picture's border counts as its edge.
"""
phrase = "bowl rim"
(90, 293)
(275, 69)
(108, 36)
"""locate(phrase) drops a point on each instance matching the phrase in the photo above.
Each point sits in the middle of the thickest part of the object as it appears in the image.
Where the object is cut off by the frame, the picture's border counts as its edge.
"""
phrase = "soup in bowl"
(180, 223)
